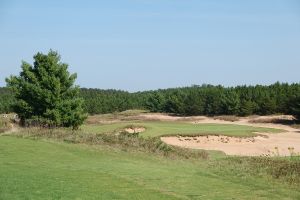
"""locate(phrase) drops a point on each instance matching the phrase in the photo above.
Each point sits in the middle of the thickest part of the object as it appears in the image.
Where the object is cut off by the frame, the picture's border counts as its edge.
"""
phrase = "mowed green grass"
(35, 169)
(158, 128)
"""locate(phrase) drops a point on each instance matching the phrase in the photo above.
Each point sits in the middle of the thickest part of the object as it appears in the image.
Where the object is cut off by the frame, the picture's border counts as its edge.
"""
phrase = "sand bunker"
(282, 144)
(276, 144)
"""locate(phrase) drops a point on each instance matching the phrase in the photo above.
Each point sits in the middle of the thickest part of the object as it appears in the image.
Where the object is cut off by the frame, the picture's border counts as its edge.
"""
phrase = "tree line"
(218, 100)
(195, 100)
(44, 94)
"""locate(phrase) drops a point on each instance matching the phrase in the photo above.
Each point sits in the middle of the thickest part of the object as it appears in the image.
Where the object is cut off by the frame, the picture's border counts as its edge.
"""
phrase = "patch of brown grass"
(274, 121)
(128, 115)
(229, 118)
(4, 124)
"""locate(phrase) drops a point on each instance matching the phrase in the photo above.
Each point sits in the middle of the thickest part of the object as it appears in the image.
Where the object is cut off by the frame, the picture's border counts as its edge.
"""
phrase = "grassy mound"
(35, 169)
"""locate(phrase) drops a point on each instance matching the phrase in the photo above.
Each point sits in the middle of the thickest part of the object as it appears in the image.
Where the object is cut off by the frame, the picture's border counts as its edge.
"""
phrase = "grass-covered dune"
(59, 163)
(160, 128)
(48, 169)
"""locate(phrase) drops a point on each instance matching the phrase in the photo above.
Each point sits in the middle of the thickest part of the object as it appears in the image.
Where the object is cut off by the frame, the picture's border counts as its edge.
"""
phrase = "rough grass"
(274, 121)
(35, 169)
(229, 118)
(4, 124)
(291, 122)
(123, 140)
(115, 117)
(157, 129)
(102, 162)
(286, 170)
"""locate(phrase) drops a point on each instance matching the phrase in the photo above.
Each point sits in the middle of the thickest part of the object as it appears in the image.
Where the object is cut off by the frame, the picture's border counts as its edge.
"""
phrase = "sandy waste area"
(264, 144)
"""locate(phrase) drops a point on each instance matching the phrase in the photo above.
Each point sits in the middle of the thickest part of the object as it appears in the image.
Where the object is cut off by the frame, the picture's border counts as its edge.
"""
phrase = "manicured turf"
(48, 170)
(154, 129)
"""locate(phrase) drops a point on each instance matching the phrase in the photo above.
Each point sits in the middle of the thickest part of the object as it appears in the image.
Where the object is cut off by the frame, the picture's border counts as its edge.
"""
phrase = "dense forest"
(195, 100)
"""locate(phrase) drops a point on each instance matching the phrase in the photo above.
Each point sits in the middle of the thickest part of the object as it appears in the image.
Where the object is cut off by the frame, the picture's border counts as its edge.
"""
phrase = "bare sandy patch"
(282, 144)
(134, 129)
(247, 121)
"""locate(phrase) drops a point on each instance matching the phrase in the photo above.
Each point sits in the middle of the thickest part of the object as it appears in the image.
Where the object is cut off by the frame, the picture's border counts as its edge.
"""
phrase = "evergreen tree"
(155, 102)
(267, 106)
(230, 103)
(247, 107)
(194, 103)
(213, 103)
(174, 104)
(45, 93)
(295, 107)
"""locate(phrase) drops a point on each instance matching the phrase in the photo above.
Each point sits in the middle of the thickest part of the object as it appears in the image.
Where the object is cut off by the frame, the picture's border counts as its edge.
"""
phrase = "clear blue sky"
(149, 44)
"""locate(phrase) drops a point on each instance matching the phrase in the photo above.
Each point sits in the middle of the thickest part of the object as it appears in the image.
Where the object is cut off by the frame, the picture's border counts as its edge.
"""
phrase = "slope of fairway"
(48, 170)
(154, 129)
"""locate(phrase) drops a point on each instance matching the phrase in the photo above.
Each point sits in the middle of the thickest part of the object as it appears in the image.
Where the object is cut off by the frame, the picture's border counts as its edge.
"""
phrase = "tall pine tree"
(46, 94)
